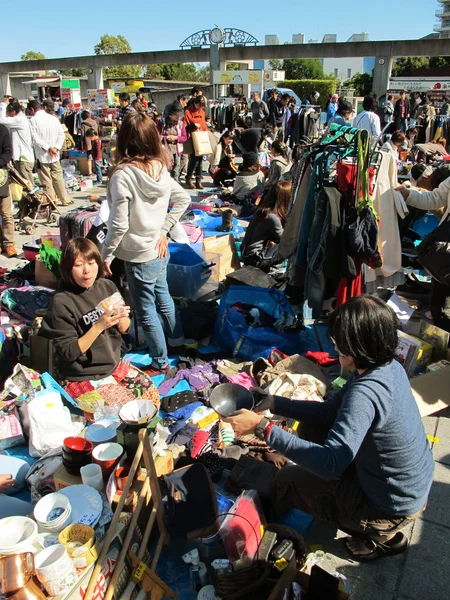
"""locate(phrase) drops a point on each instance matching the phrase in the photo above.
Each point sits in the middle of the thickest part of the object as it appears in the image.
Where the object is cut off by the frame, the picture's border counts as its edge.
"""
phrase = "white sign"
(237, 77)
(420, 84)
(274, 76)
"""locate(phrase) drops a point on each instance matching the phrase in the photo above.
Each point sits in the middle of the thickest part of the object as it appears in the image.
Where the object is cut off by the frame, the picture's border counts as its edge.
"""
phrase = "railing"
(441, 28)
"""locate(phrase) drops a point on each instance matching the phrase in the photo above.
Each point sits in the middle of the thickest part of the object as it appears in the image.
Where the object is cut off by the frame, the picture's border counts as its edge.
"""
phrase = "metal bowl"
(227, 398)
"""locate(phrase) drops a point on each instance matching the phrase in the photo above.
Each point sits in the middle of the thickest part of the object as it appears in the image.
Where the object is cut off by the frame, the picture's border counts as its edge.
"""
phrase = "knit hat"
(249, 159)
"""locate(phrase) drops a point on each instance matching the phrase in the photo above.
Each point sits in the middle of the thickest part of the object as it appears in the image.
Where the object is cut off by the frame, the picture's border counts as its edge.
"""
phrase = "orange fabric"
(195, 116)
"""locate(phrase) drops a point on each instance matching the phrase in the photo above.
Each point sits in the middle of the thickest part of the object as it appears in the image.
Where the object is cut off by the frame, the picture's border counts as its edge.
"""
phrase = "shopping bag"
(202, 143)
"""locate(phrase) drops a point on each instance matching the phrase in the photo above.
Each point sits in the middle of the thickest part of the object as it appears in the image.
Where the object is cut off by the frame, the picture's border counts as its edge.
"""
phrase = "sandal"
(396, 545)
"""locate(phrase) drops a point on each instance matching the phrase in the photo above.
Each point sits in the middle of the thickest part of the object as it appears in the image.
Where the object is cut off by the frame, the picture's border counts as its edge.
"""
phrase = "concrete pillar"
(5, 85)
(382, 74)
(95, 78)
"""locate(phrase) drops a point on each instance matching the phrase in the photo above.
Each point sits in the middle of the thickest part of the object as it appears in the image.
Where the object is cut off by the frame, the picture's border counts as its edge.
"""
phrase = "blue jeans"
(98, 170)
(153, 303)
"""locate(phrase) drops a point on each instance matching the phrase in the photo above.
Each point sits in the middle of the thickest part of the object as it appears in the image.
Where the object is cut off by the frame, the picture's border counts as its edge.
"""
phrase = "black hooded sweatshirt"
(71, 314)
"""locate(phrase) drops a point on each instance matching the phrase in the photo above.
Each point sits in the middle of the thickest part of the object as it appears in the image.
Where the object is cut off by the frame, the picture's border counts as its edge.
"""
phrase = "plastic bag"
(50, 422)
(232, 332)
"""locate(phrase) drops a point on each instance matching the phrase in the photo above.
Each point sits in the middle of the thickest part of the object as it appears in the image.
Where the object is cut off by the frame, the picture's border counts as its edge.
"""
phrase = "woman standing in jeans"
(194, 119)
(139, 191)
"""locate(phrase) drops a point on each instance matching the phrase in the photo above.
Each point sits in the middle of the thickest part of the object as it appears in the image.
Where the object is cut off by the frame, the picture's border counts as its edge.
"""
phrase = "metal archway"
(233, 37)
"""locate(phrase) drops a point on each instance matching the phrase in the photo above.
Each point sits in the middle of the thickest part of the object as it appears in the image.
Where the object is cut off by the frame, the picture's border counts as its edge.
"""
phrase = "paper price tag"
(140, 570)
(49, 405)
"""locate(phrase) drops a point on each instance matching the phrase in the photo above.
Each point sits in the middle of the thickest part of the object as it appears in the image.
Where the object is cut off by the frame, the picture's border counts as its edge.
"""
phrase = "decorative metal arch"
(233, 37)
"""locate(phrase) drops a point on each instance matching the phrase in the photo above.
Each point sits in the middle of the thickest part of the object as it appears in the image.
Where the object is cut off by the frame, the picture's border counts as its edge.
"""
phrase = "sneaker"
(151, 370)
(10, 251)
(98, 182)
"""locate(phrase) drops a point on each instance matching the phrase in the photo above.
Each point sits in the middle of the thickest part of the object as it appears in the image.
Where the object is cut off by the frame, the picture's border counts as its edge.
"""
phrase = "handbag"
(434, 253)
(4, 183)
(202, 143)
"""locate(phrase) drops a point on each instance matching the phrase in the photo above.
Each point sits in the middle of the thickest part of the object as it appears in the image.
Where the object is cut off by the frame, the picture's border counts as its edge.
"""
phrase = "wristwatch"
(261, 428)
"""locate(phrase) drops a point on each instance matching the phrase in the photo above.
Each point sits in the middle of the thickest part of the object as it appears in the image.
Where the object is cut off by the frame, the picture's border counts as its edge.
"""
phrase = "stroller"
(35, 204)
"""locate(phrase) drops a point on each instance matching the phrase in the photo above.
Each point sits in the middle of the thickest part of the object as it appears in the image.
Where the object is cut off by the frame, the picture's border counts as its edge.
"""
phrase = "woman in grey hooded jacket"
(139, 191)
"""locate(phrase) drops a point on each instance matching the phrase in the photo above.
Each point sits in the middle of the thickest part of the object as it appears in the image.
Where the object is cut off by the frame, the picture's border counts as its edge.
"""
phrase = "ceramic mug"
(55, 570)
(15, 572)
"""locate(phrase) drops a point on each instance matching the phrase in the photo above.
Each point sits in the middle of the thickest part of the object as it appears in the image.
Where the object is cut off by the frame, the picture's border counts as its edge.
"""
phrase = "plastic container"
(188, 272)
(30, 252)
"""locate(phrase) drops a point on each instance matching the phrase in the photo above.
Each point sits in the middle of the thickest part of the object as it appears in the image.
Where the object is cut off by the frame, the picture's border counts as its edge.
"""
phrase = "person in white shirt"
(368, 119)
(48, 139)
(19, 128)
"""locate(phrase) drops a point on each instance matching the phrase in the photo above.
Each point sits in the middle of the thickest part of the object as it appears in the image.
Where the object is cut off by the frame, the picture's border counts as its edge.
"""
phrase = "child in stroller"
(34, 204)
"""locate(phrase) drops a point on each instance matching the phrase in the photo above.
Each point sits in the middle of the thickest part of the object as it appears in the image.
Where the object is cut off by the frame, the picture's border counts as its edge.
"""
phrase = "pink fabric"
(243, 379)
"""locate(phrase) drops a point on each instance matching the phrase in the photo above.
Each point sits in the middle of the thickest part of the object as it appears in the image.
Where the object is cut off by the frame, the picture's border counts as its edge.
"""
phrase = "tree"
(362, 83)
(112, 44)
(437, 62)
(153, 72)
(72, 72)
(404, 67)
(275, 64)
(303, 68)
(32, 55)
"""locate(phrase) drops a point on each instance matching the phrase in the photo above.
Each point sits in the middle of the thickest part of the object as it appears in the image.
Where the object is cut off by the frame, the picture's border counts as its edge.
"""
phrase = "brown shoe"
(10, 251)
(198, 183)
(190, 185)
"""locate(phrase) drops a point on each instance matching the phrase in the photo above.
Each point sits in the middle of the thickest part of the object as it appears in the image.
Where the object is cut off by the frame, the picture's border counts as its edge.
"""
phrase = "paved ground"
(423, 571)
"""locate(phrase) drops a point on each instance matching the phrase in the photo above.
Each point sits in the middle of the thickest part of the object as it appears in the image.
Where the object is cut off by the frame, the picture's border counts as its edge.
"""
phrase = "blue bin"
(187, 271)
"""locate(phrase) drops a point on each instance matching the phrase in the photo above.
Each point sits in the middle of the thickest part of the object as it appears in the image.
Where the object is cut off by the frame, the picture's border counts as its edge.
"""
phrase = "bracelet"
(268, 429)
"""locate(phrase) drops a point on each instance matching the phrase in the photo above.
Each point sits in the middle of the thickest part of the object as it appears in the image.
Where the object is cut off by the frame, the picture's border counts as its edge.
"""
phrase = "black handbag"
(434, 253)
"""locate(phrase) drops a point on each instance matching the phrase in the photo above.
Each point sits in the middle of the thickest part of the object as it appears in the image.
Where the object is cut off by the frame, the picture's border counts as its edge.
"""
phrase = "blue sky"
(62, 31)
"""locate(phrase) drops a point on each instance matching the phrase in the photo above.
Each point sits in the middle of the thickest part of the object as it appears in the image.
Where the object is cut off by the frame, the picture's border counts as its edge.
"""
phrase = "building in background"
(443, 14)
(298, 38)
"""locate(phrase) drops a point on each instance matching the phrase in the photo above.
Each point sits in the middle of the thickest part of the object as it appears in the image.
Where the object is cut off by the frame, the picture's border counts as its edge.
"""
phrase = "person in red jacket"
(195, 120)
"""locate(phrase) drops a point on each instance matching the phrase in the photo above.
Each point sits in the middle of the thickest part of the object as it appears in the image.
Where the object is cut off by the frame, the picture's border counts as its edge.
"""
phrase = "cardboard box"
(432, 391)
(85, 166)
(291, 574)
(224, 246)
(164, 464)
(63, 479)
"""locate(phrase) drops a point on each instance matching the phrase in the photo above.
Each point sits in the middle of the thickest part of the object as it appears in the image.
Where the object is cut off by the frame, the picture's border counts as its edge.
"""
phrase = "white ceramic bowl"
(102, 431)
(137, 411)
(18, 535)
(106, 455)
(53, 512)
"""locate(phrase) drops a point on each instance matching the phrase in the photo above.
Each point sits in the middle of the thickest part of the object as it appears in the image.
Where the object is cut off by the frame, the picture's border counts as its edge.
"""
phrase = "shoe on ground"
(198, 184)
(98, 182)
(153, 370)
(190, 185)
(10, 251)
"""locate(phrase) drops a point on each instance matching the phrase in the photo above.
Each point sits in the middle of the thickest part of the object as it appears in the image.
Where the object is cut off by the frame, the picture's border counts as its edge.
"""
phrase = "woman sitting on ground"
(87, 342)
(260, 245)
(249, 179)
(371, 472)
(223, 149)
(280, 162)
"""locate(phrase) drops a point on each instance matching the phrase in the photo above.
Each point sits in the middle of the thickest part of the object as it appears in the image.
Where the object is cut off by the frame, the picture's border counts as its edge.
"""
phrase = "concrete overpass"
(384, 52)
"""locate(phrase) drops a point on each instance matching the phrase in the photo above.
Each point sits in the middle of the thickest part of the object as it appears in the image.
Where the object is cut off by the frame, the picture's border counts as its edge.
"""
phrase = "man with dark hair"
(196, 91)
(18, 125)
(177, 105)
(401, 111)
(367, 466)
(48, 139)
(277, 111)
(125, 107)
(7, 226)
(87, 122)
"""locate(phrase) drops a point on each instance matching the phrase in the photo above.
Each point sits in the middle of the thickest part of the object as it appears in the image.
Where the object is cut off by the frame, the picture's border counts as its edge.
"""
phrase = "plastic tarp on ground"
(209, 221)
(232, 332)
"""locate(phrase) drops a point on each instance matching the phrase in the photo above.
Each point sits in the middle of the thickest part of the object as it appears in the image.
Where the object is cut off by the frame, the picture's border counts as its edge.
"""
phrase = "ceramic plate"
(86, 504)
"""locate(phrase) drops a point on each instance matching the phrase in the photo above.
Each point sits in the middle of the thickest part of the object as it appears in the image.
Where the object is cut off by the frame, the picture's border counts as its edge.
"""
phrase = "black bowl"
(227, 398)
(79, 462)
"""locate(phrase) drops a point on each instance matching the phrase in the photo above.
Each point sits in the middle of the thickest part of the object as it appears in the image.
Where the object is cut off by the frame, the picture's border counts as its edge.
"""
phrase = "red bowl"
(122, 476)
(79, 444)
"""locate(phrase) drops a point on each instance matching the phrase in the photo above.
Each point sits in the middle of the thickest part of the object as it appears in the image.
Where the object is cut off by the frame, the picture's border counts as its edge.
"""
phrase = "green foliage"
(32, 55)
(362, 83)
(232, 66)
(437, 62)
(72, 72)
(177, 72)
(404, 67)
(275, 64)
(303, 68)
(305, 87)
(111, 44)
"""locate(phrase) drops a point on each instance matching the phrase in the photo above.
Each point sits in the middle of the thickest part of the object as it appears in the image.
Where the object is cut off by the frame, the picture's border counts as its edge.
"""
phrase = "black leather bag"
(434, 253)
